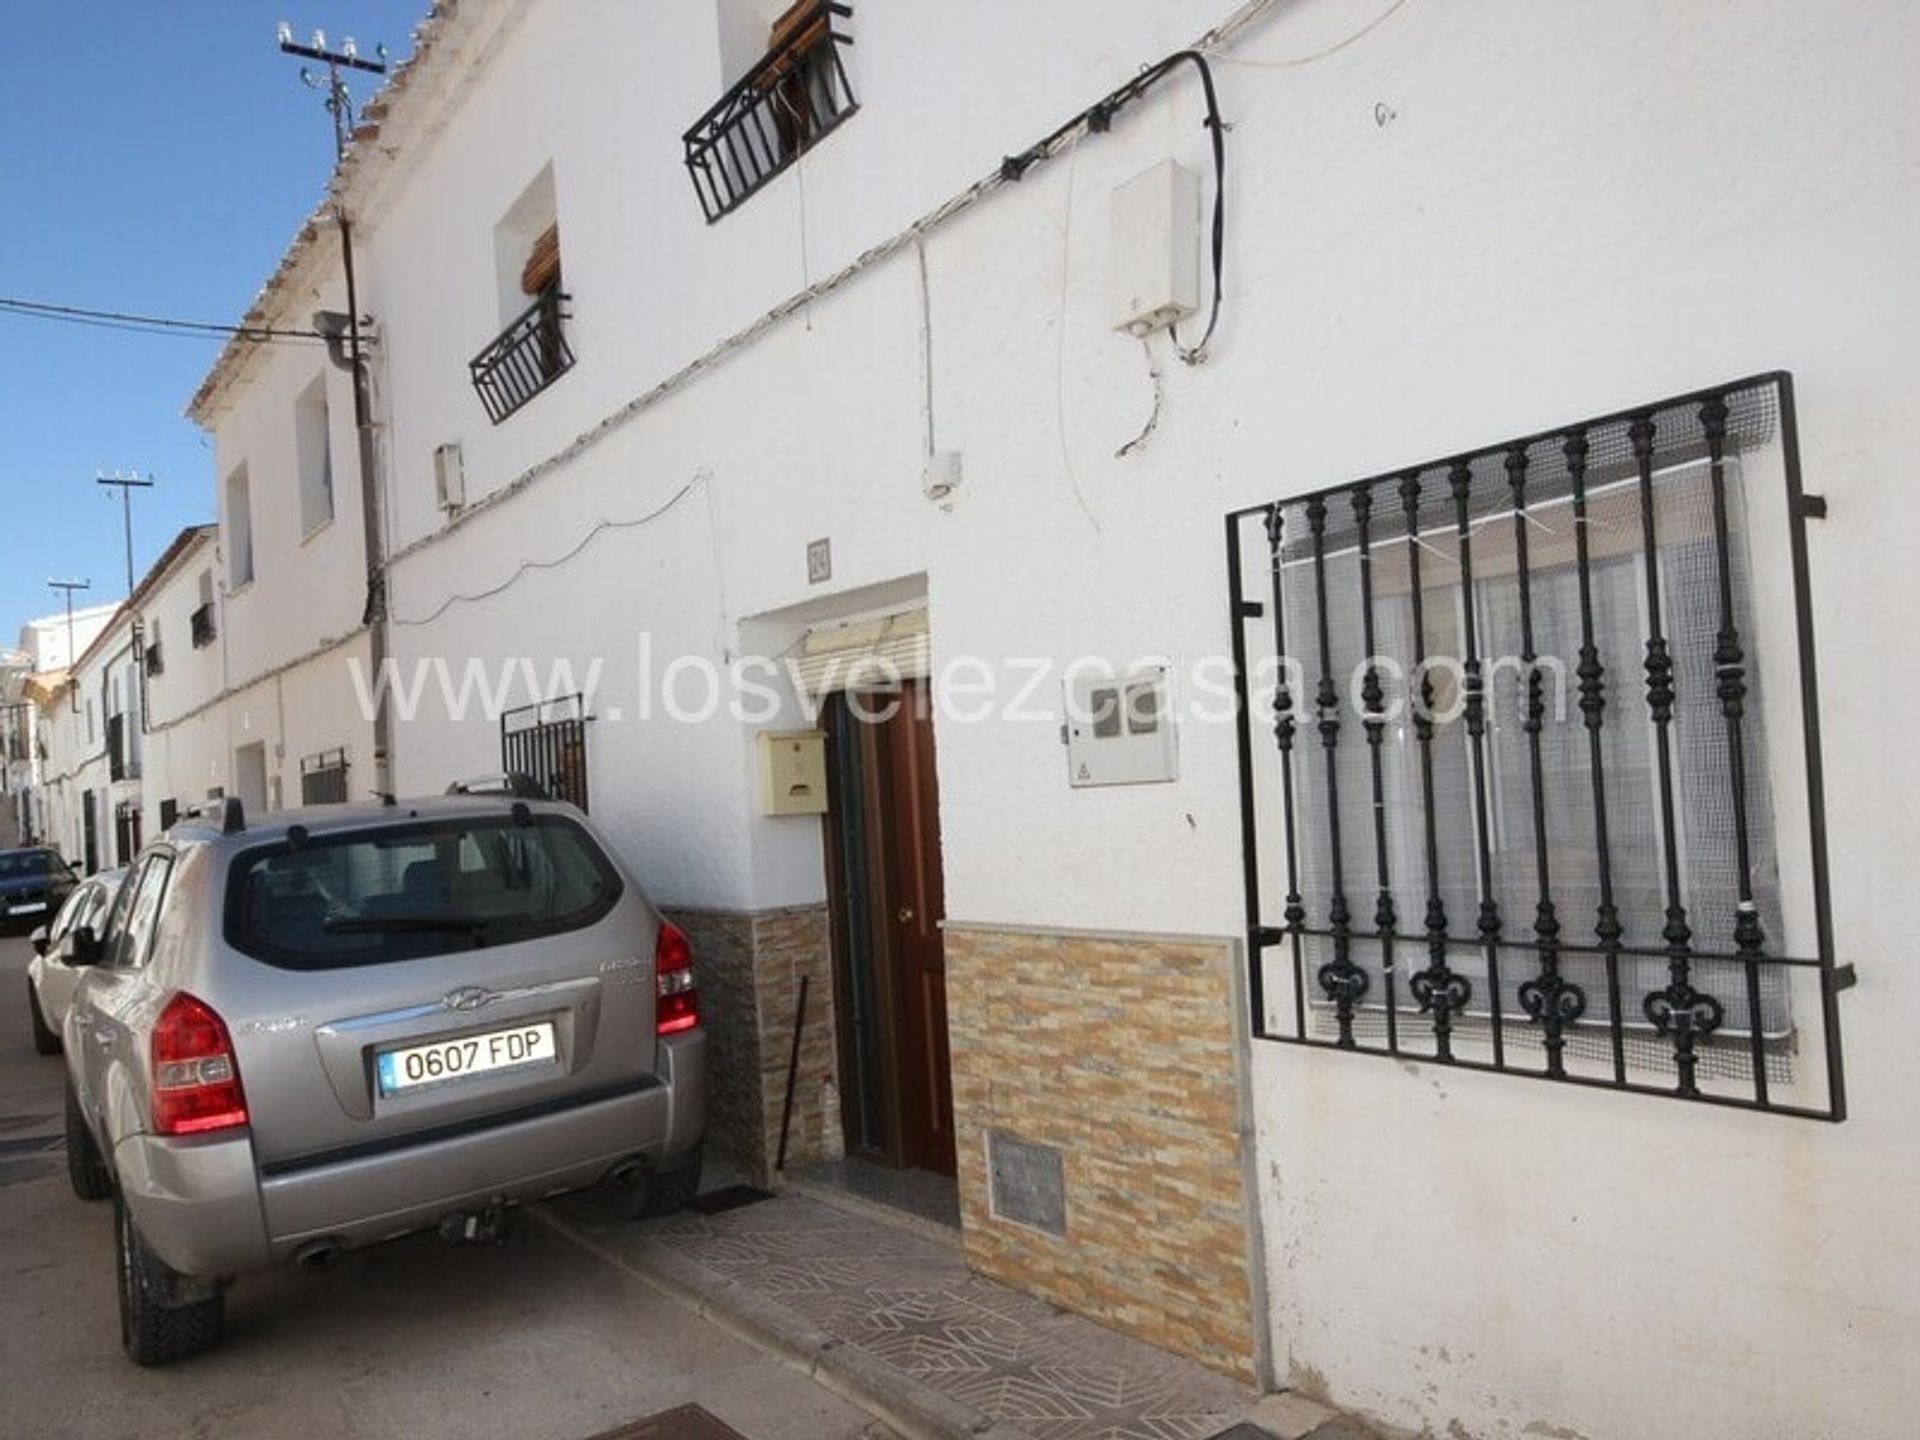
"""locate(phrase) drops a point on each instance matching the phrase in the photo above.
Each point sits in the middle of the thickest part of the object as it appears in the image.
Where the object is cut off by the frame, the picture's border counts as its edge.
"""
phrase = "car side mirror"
(39, 941)
(84, 947)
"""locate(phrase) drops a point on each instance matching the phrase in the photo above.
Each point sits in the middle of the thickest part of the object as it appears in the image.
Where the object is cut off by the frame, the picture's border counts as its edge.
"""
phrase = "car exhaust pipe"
(485, 1226)
(316, 1254)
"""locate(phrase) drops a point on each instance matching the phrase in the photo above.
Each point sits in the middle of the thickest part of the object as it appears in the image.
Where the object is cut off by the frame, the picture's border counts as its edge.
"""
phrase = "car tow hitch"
(485, 1226)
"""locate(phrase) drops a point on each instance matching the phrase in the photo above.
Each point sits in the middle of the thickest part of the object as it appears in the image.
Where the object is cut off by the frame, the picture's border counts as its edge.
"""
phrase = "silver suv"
(341, 1025)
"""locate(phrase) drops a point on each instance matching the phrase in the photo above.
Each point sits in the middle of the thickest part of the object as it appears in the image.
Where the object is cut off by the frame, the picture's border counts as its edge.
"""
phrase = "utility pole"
(68, 587)
(339, 103)
(127, 484)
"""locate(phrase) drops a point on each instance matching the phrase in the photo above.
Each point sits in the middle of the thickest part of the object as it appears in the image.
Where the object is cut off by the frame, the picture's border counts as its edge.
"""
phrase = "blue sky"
(155, 156)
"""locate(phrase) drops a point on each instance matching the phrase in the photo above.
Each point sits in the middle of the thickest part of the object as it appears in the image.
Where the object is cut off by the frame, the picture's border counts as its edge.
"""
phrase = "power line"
(148, 324)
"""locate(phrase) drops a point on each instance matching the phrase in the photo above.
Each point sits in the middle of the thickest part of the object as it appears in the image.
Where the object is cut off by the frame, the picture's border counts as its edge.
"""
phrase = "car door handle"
(103, 1039)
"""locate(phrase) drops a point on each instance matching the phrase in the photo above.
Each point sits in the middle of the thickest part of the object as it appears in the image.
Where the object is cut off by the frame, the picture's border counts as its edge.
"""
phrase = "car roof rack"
(515, 783)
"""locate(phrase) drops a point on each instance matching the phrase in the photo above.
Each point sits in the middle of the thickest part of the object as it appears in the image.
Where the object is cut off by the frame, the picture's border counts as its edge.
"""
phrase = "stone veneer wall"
(748, 967)
(1126, 1054)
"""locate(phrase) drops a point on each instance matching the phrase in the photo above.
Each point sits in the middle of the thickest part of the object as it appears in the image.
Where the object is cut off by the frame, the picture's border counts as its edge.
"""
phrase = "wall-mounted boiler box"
(1153, 249)
(1120, 730)
(793, 772)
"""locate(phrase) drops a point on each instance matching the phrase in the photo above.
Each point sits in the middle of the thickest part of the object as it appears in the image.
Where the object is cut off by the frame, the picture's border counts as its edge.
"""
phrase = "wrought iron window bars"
(1573, 874)
(793, 96)
(525, 358)
(200, 626)
(323, 778)
(548, 741)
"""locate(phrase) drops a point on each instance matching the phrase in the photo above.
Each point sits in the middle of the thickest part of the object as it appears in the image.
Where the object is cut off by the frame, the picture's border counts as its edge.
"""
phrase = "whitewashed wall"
(1479, 220)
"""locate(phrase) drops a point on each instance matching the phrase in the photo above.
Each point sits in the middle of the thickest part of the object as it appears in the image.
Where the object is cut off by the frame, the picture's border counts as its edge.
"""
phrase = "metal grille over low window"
(323, 778)
(548, 742)
(792, 97)
(526, 357)
(1539, 790)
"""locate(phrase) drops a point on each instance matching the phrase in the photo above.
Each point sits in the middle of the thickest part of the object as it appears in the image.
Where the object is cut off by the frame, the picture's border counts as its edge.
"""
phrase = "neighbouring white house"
(1385, 525)
(48, 647)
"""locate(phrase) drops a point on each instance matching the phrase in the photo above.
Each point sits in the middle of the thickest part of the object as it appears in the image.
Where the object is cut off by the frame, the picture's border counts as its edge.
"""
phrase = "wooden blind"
(543, 263)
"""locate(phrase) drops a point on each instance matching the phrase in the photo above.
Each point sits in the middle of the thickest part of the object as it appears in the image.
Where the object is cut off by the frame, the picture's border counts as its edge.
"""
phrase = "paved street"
(535, 1339)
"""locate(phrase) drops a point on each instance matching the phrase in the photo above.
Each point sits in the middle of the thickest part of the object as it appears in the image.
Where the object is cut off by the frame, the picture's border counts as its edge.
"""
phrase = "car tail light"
(196, 1080)
(678, 1005)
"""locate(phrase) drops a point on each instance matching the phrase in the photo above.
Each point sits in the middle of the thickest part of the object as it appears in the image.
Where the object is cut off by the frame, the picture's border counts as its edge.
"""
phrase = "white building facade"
(1468, 256)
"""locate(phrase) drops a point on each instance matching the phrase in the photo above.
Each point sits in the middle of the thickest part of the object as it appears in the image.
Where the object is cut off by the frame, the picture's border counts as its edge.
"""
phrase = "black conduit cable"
(1098, 118)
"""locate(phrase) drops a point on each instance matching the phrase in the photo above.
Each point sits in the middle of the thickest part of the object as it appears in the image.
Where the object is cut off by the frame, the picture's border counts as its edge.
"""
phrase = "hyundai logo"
(469, 997)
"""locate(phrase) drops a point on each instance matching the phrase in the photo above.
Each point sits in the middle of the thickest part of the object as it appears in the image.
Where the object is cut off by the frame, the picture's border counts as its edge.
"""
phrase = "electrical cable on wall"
(527, 566)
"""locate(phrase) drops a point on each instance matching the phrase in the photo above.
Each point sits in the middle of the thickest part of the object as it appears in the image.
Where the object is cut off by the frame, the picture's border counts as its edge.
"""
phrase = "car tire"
(156, 1327)
(44, 1040)
(654, 1193)
(85, 1169)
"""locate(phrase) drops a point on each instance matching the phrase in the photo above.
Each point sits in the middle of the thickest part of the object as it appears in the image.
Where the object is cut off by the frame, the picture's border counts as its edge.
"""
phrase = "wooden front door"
(888, 901)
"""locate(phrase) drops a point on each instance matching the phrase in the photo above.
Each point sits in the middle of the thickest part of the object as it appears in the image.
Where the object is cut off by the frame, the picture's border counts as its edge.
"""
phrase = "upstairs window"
(155, 660)
(239, 530)
(794, 92)
(200, 623)
(313, 440)
(531, 352)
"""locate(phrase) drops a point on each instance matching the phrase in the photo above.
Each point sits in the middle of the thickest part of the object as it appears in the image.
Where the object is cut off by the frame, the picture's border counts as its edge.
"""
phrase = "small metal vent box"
(1154, 249)
(1120, 729)
(793, 772)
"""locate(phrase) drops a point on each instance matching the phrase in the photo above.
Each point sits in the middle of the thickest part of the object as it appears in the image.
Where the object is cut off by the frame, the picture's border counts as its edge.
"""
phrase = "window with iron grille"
(790, 98)
(1539, 789)
(323, 778)
(548, 743)
(155, 662)
(200, 626)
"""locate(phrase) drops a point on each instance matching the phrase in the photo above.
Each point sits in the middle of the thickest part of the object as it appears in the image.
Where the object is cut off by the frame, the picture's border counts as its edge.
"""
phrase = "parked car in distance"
(33, 884)
(54, 969)
(340, 1025)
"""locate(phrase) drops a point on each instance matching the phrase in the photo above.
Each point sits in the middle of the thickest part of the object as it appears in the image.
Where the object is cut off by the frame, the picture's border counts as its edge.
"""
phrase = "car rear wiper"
(407, 924)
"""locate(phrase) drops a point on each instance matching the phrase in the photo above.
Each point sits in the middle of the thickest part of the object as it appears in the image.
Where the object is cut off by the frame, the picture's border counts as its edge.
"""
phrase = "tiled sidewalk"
(895, 1321)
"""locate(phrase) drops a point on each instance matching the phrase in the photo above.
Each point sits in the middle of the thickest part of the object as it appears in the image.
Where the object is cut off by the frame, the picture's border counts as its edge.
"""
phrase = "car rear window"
(401, 892)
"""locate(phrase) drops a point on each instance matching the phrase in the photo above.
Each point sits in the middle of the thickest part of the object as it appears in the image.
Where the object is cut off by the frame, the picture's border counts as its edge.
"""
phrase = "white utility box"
(1153, 249)
(1120, 729)
(793, 772)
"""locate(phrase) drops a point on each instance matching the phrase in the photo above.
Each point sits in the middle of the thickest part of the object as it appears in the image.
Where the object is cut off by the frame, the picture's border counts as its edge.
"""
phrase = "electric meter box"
(793, 772)
(1120, 730)
(1153, 249)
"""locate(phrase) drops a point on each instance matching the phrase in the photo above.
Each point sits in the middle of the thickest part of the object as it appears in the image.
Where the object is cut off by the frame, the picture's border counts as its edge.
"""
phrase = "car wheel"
(44, 1040)
(85, 1169)
(653, 1193)
(156, 1326)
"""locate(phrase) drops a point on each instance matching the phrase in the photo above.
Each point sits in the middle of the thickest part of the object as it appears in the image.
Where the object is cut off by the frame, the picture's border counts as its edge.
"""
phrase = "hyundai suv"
(340, 1025)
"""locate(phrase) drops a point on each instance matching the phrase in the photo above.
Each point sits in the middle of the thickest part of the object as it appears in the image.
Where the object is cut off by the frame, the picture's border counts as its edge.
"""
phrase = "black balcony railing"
(548, 742)
(1530, 797)
(200, 624)
(527, 357)
(794, 95)
(323, 778)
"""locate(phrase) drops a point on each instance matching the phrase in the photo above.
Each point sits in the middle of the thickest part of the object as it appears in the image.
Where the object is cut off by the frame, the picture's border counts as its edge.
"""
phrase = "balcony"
(200, 623)
(527, 357)
(794, 95)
